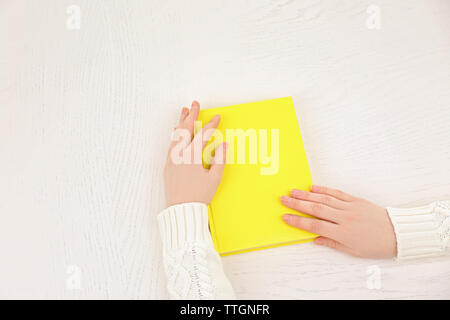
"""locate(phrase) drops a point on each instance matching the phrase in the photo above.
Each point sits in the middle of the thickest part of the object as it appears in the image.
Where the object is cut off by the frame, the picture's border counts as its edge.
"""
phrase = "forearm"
(193, 267)
(422, 231)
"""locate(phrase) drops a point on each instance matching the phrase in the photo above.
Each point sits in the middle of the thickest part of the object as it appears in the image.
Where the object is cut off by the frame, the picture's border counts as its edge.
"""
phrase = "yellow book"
(265, 159)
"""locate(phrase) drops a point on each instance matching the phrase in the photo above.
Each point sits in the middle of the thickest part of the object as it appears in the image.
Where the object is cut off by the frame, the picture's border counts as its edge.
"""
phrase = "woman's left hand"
(185, 178)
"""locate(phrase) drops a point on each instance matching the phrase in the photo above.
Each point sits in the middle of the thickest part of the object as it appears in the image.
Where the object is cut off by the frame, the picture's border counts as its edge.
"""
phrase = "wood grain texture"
(85, 118)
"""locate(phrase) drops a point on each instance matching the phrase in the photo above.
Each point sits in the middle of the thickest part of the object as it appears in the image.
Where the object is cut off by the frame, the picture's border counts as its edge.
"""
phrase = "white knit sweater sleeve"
(422, 231)
(193, 267)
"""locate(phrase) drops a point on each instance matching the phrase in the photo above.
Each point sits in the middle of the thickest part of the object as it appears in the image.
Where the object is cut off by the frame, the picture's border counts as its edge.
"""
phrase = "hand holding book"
(243, 211)
(344, 222)
(186, 180)
(240, 201)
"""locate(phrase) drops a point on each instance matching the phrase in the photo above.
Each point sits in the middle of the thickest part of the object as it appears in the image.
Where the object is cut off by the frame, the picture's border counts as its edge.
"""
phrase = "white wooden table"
(85, 118)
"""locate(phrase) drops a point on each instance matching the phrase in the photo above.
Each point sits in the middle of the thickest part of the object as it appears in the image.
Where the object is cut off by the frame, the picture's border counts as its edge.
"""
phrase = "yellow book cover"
(265, 159)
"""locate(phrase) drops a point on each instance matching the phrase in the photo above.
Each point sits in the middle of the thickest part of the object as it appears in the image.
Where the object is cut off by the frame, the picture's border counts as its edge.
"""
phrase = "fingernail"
(295, 192)
(315, 188)
(318, 241)
(216, 117)
(284, 199)
(286, 218)
(184, 111)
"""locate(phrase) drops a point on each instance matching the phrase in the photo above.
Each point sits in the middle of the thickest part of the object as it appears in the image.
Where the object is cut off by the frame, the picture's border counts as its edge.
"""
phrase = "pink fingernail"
(286, 218)
(284, 199)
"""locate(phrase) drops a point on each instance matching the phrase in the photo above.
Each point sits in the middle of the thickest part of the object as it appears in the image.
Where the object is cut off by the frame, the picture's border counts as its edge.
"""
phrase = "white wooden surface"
(85, 117)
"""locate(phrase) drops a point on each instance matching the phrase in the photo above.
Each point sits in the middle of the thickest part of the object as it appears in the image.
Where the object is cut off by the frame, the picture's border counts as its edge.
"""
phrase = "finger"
(177, 135)
(185, 123)
(188, 118)
(333, 244)
(195, 109)
(332, 192)
(312, 208)
(218, 163)
(204, 134)
(180, 140)
(183, 116)
(320, 227)
(325, 199)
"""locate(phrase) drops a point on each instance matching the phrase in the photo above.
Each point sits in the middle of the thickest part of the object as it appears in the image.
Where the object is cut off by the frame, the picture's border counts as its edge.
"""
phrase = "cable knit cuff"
(416, 230)
(183, 223)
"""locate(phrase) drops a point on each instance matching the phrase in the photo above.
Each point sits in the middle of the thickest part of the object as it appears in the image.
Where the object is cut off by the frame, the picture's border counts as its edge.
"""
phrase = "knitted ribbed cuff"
(416, 230)
(183, 223)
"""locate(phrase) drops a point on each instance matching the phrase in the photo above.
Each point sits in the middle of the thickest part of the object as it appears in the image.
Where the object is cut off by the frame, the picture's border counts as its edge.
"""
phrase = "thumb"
(333, 244)
(218, 163)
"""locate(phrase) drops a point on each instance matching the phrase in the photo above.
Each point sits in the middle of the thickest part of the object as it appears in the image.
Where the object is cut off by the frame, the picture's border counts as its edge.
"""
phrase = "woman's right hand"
(344, 222)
